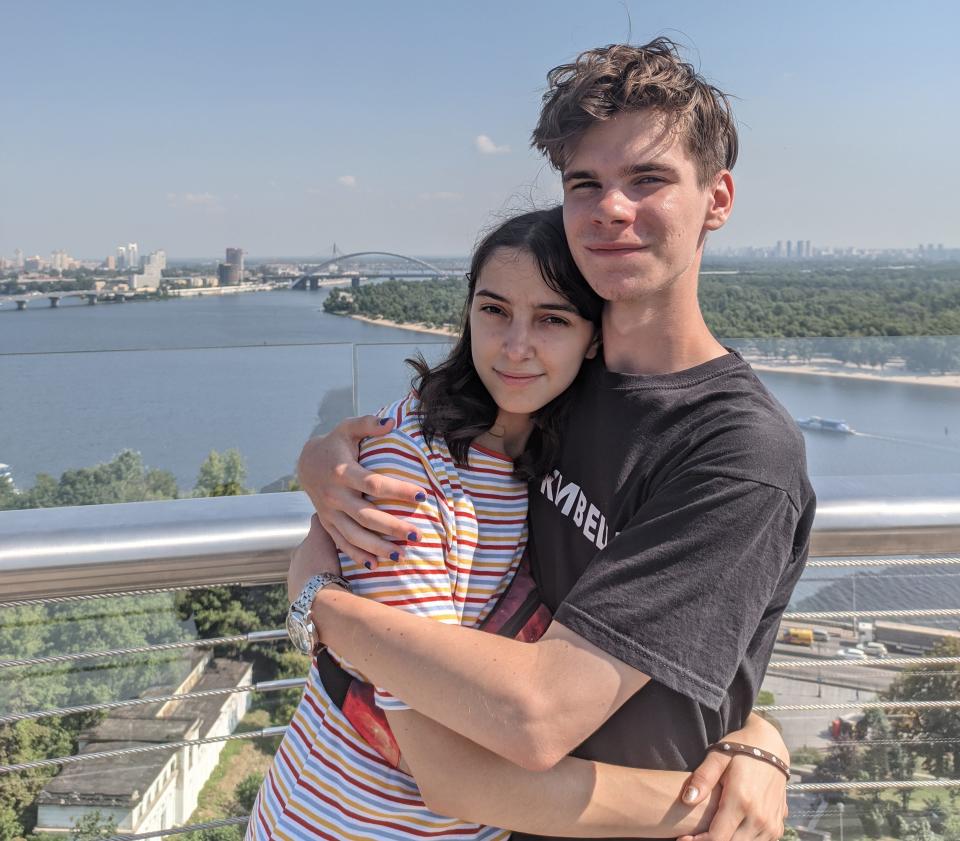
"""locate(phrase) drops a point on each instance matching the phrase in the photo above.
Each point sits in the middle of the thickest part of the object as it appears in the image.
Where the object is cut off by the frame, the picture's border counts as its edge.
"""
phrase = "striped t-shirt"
(325, 781)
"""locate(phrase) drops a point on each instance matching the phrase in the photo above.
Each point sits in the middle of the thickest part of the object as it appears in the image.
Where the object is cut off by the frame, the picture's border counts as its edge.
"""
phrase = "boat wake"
(911, 442)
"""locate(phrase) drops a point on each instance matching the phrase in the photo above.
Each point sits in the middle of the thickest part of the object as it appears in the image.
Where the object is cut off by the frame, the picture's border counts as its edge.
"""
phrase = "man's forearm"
(577, 798)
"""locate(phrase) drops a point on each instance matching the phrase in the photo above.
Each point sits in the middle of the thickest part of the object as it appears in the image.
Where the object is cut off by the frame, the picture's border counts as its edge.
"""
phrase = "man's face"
(634, 212)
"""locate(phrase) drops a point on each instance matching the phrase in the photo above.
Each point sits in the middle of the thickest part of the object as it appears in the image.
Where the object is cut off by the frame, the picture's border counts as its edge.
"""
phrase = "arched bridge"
(311, 280)
(340, 257)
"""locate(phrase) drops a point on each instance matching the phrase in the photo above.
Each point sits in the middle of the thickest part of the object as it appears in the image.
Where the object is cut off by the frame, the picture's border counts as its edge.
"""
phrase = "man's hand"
(753, 803)
(335, 482)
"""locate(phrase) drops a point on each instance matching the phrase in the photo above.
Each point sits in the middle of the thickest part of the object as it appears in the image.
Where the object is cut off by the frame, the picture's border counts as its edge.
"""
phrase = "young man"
(669, 538)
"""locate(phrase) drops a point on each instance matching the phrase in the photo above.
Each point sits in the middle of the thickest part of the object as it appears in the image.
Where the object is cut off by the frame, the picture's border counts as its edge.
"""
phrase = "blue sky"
(289, 126)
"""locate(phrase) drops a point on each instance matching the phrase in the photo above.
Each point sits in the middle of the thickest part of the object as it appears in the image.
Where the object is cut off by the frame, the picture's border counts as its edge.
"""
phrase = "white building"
(133, 256)
(150, 791)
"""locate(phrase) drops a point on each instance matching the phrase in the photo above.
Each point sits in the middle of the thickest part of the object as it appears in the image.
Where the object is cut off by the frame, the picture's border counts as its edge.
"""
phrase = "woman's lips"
(516, 379)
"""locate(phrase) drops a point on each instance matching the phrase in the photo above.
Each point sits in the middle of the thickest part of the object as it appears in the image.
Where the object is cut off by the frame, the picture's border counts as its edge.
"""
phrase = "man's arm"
(576, 798)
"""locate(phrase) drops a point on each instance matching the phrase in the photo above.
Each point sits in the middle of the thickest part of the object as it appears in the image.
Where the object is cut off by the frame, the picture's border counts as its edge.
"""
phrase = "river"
(258, 372)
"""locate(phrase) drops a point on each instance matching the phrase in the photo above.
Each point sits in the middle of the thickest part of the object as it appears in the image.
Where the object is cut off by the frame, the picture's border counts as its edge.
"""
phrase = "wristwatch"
(300, 626)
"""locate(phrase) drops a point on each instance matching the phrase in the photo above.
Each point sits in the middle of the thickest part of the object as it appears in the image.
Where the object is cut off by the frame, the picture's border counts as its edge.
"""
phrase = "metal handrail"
(55, 552)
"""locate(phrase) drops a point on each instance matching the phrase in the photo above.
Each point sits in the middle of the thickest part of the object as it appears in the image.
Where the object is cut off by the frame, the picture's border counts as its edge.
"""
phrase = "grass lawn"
(237, 760)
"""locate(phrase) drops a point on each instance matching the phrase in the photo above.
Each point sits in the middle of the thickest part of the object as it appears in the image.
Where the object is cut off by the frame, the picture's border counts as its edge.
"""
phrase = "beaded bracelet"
(756, 753)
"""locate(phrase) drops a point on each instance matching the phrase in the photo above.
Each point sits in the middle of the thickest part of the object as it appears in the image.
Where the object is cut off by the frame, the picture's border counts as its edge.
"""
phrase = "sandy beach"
(447, 332)
(831, 368)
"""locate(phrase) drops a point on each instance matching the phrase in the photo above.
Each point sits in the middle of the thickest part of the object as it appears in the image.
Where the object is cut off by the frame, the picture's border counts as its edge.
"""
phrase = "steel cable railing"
(198, 543)
(106, 706)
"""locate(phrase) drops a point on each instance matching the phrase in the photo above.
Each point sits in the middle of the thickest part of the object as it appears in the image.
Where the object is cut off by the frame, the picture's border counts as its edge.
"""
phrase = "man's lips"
(614, 248)
(516, 379)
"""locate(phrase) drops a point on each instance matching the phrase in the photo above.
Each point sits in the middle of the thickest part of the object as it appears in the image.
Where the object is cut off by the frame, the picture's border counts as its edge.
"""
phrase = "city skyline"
(406, 128)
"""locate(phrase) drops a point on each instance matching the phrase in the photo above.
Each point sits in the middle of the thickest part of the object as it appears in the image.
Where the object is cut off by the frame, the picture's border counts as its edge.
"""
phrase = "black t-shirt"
(671, 535)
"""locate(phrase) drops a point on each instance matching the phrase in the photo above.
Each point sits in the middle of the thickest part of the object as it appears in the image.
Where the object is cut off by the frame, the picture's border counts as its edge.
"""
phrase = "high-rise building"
(235, 258)
(230, 272)
(789, 249)
(133, 255)
(110, 263)
(156, 260)
(122, 257)
(18, 258)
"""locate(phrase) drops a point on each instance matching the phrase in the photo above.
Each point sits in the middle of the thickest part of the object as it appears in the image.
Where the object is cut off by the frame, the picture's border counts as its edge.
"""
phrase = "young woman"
(475, 429)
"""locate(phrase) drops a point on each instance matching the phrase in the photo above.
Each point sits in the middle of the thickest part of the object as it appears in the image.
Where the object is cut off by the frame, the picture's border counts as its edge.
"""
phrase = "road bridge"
(313, 279)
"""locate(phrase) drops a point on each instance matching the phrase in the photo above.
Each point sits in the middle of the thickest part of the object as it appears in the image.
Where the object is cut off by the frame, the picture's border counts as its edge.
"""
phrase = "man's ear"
(720, 201)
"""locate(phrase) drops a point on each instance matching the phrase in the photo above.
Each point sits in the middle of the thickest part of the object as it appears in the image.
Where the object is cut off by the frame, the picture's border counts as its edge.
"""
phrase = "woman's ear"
(594, 345)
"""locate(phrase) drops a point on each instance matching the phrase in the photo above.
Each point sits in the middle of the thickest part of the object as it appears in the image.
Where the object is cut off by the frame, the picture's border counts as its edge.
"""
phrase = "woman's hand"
(336, 484)
(753, 802)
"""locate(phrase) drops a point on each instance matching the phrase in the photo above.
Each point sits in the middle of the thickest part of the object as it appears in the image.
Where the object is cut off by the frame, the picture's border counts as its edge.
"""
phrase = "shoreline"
(449, 332)
(836, 371)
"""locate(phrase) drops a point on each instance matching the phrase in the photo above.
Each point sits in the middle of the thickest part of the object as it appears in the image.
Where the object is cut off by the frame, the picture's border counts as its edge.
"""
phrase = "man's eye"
(582, 185)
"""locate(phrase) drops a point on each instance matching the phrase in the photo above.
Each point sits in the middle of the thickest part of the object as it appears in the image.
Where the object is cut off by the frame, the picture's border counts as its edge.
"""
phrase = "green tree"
(10, 826)
(222, 474)
(246, 793)
(93, 826)
(125, 478)
(932, 735)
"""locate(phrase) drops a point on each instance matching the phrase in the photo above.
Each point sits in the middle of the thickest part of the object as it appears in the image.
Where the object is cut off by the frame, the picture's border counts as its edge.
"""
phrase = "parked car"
(852, 654)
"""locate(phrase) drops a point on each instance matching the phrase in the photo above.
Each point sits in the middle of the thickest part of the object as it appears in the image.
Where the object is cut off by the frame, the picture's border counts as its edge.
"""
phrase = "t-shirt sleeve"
(680, 591)
(420, 582)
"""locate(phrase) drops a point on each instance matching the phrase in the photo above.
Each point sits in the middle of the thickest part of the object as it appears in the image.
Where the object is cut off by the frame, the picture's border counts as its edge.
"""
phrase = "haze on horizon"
(405, 127)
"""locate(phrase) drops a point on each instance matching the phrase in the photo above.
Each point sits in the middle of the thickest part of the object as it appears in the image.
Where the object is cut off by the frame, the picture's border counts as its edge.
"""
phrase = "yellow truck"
(798, 636)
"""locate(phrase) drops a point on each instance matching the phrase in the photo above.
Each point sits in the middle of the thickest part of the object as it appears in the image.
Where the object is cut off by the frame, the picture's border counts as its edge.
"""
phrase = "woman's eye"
(493, 309)
(555, 319)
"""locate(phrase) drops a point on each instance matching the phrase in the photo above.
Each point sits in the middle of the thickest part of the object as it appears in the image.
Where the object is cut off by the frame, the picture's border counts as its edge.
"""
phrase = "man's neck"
(656, 336)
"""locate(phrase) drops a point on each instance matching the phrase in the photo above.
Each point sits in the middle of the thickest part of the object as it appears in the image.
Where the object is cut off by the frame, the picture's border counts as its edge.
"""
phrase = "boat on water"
(818, 424)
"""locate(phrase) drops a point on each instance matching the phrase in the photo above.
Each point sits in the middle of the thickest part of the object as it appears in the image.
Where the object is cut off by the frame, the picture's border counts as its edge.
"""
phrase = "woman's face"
(527, 341)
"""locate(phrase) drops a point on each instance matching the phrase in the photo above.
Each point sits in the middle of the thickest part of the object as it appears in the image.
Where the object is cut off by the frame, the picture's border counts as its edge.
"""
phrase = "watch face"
(297, 631)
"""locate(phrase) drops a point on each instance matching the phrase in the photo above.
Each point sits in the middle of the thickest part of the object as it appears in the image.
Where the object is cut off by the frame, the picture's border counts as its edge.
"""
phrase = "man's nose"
(613, 208)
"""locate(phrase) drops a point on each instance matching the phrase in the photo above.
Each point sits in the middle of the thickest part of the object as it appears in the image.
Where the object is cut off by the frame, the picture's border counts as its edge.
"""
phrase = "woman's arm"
(576, 798)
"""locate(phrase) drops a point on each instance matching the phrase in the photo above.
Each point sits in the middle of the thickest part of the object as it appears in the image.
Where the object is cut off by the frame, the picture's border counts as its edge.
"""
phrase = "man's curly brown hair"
(621, 78)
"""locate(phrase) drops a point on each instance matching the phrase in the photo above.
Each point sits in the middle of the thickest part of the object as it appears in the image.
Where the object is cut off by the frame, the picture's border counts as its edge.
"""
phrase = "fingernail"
(384, 421)
(368, 565)
(421, 497)
(690, 794)
(412, 537)
(394, 556)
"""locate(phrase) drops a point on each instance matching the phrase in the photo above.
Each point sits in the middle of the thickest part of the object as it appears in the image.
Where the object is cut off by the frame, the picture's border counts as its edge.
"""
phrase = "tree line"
(861, 315)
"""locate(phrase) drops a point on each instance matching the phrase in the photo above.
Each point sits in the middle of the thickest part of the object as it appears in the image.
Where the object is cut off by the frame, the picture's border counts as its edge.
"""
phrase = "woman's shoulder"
(405, 413)
(406, 437)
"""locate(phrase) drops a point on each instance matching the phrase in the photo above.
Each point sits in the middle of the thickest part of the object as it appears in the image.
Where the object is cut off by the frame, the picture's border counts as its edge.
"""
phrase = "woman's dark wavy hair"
(454, 403)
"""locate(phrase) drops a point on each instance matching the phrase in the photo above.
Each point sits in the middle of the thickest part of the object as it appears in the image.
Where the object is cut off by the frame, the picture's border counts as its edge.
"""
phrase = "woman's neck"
(508, 435)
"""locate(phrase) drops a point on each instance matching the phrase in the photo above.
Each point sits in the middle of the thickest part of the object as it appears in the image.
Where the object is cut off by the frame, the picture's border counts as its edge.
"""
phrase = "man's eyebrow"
(559, 307)
(578, 175)
(634, 169)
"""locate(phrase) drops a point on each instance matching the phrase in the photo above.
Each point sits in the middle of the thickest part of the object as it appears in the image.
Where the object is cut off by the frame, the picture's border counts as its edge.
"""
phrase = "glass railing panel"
(383, 374)
(171, 407)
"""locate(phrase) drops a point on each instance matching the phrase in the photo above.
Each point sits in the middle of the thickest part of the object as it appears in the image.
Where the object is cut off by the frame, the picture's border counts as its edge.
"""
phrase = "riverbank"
(447, 332)
(830, 368)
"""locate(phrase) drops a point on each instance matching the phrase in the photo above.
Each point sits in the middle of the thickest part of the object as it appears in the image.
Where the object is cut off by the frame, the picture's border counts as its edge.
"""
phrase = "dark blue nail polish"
(412, 536)
(421, 497)
(394, 556)
(368, 565)
(384, 421)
